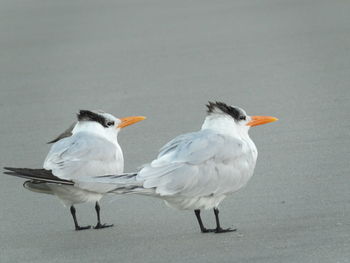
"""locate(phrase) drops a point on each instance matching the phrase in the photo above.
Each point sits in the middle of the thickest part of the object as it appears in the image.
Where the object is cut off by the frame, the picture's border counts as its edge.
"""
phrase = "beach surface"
(165, 60)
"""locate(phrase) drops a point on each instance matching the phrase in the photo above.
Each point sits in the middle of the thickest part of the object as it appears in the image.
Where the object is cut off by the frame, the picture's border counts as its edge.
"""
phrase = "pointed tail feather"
(123, 179)
(124, 183)
(40, 175)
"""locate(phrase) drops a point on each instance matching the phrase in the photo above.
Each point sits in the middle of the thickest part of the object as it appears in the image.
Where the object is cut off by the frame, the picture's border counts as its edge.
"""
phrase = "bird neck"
(225, 125)
(96, 129)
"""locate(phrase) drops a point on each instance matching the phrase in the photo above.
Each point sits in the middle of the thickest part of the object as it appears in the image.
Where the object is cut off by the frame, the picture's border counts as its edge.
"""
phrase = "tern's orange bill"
(130, 120)
(259, 120)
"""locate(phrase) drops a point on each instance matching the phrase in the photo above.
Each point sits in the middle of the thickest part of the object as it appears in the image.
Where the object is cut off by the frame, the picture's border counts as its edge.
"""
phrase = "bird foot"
(100, 226)
(77, 228)
(206, 230)
(218, 230)
(221, 230)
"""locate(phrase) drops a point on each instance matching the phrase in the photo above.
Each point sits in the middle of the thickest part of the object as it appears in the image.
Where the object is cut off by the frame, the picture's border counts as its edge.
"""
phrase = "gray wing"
(193, 148)
(82, 154)
(66, 133)
(188, 164)
(175, 142)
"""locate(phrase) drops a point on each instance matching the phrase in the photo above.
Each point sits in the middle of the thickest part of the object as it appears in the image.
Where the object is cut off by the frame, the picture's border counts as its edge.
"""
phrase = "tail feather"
(133, 190)
(126, 183)
(122, 179)
(40, 175)
(39, 187)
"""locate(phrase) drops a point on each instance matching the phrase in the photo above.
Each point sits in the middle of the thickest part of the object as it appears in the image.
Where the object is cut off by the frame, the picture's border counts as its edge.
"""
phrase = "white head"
(102, 123)
(232, 120)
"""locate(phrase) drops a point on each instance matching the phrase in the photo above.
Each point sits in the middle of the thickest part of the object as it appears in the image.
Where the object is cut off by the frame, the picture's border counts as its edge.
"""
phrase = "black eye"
(110, 123)
(242, 118)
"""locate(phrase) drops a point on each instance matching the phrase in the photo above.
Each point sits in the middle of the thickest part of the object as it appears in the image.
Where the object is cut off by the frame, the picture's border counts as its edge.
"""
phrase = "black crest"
(86, 115)
(232, 111)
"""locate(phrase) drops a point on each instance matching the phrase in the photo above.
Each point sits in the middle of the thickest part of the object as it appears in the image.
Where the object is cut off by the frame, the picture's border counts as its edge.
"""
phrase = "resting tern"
(198, 170)
(88, 148)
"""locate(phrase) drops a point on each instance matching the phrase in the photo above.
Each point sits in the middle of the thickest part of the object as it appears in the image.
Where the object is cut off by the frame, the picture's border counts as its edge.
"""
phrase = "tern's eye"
(242, 118)
(110, 123)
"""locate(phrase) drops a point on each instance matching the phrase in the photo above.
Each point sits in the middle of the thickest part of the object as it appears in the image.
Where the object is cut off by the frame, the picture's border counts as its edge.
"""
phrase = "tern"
(88, 148)
(199, 170)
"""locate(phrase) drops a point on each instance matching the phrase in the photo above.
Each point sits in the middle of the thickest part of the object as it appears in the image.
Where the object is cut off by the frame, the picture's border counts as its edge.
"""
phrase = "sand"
(166, 59)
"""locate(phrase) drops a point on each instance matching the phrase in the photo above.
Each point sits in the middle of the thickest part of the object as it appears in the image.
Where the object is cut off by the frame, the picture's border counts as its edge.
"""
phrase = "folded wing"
(82, 155)
(189, 165)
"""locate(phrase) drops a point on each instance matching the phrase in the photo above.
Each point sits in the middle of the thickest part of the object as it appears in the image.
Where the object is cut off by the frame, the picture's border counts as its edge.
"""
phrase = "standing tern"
(198, 170)
(88, 148)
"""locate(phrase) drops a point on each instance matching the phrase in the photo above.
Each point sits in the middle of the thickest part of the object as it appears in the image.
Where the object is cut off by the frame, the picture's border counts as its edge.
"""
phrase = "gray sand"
(165, 60)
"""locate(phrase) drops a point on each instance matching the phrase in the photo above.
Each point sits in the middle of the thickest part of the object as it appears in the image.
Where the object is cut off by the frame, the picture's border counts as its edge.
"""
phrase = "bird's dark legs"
(99, 225)
(198, 215)
(98, 208)
(218, 227)
(77, 227)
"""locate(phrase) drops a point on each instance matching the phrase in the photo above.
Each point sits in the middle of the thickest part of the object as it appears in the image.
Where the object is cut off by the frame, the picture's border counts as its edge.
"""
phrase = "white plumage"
(198, 170)
(89, 149)
(82, 155)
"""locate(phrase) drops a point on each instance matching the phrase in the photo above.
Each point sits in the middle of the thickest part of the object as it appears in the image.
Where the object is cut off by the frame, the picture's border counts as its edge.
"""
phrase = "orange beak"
(259, 120)
(130, 120)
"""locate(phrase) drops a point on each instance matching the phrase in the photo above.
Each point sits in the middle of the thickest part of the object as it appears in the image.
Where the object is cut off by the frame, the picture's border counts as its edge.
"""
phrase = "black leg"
(99, 225)
(218, 227)
(203, 229)
(77, 227)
